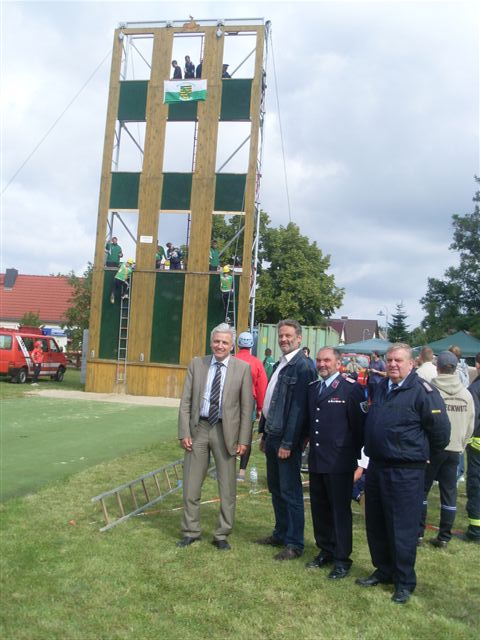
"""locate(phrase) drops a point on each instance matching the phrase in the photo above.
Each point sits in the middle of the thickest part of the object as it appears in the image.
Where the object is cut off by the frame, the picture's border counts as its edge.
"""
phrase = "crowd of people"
(398, 438)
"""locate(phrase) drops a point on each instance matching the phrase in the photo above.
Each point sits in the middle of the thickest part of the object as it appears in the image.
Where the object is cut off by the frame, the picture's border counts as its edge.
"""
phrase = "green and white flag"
(184, 91)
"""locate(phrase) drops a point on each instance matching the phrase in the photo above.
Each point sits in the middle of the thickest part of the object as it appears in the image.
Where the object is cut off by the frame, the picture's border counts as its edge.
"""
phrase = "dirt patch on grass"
(154, 401)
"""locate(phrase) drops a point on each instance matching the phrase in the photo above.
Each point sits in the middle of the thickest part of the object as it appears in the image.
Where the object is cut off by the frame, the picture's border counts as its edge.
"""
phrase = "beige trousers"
(205, 440)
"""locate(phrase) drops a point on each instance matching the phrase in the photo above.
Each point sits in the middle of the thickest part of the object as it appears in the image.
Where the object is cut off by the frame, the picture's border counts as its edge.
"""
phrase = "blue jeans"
(285, 485)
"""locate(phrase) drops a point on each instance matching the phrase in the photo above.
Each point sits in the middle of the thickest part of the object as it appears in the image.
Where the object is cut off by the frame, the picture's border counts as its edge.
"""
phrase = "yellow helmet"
(130, 261)
(226, 269)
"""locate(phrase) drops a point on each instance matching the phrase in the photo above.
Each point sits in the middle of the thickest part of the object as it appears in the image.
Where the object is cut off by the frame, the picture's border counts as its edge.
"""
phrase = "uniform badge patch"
(364, 406)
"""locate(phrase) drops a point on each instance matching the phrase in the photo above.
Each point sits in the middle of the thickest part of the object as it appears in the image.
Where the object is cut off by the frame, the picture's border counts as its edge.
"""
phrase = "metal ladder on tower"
(123, 338)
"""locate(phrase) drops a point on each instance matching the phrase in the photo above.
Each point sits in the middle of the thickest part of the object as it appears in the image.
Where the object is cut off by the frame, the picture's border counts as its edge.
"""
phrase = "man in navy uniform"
(406, 424)
(337, 409)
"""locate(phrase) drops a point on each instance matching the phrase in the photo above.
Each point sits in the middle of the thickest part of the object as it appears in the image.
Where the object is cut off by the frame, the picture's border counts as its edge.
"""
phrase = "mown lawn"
(62, 579)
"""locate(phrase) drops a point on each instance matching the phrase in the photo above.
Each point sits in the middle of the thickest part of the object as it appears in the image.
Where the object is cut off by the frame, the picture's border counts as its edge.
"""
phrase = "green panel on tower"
(167, 318)
(236, 96)
(132, 104)
(124, 191)
(230, 192)
(176, 192)
(110, 319)
(182, 111)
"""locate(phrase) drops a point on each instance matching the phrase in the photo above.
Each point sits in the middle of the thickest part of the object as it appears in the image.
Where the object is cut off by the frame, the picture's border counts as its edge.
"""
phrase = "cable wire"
(45, 136)
(281, 131)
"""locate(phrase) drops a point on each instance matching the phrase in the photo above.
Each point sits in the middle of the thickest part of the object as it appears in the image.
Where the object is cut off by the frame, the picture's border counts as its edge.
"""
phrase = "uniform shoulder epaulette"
(351, 380)
(313, 382)
(427, 386)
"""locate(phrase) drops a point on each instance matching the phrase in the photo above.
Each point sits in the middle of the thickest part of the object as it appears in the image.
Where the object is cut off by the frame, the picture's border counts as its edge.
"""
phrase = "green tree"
(293, 281)
(77, 316)
(398, 329)
(452, 303)
(30, 319)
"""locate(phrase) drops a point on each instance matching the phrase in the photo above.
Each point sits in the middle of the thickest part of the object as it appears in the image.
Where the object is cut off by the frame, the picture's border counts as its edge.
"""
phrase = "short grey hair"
(396, 346)
(335, 352)
(223, 327)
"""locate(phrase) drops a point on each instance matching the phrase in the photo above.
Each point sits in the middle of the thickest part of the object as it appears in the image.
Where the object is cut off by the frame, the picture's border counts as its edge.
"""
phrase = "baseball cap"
(245, 340)
(446, 359)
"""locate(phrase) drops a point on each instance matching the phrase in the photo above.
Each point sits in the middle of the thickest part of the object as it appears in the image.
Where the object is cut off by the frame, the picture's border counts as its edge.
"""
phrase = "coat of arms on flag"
(184, 91)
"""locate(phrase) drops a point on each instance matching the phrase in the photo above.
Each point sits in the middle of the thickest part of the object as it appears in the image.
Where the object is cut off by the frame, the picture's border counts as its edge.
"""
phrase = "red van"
(16, 346)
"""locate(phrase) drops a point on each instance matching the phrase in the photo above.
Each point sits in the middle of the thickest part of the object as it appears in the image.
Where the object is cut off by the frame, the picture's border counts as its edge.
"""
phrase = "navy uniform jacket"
(336, 426)
(406, 426)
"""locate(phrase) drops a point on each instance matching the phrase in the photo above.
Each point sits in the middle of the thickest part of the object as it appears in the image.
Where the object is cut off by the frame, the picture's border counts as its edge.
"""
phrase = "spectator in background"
(306, 353)
(376, 372)
(472, 533)
(37, 359)
(113, 253)
(427, 370)
(189, 68)
(259, 386)
(177, 72)
(443, 464)
(268, 363)
(463, 373)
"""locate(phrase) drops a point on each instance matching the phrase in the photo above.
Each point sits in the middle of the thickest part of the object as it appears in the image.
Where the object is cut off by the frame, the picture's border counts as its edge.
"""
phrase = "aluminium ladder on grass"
(135, 496)
(123, 337)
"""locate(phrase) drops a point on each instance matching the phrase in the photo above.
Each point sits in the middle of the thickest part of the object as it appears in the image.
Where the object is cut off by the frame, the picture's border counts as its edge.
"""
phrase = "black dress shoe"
(289, 553)
(320, 561)
(186, 541)
(271, 541)
(338, 573)
(371, 581)
(401, 596)
(439, 544)
(222, 545)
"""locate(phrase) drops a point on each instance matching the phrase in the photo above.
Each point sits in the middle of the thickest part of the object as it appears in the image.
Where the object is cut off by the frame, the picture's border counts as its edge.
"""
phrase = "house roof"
(49, 296)
(351, 330)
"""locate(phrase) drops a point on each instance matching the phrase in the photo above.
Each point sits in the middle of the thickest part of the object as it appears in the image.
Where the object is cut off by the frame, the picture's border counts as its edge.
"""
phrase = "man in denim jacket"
(284, 428)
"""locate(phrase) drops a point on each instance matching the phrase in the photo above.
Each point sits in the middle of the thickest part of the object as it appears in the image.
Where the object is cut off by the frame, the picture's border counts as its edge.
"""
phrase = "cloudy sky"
(379, 105)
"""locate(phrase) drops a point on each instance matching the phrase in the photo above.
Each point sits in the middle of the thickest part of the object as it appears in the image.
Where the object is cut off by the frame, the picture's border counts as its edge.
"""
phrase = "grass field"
(62, 579)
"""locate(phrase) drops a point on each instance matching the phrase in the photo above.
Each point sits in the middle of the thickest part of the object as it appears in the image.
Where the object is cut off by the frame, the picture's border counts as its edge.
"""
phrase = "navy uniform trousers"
(330, 500)
(393, 508)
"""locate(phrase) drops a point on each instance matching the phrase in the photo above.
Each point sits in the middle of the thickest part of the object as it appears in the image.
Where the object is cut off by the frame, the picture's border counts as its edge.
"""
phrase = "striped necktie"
(214, 411)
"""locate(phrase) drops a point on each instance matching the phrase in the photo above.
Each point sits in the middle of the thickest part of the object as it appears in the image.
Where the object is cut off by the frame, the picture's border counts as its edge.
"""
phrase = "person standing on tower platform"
(406, 424)
(214, 258)
(337, 409)
(160, 257)
(198, 71)
(259, 386)
(177, 72)
(189, 68)
(113, 253)
(225, 73)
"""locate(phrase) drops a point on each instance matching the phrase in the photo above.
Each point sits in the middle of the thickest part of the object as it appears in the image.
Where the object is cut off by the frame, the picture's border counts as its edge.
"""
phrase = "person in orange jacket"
(259, 382)
(37, 359)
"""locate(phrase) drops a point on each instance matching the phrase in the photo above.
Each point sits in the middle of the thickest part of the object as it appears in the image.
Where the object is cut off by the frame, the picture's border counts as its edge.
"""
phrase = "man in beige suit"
(215, 416)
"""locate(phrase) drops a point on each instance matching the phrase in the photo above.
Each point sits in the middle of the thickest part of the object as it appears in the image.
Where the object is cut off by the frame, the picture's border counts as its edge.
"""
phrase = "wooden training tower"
(171, 313)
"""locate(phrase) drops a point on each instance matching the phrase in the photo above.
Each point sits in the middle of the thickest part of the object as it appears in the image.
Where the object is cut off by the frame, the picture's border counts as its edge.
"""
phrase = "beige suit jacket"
(237, 402)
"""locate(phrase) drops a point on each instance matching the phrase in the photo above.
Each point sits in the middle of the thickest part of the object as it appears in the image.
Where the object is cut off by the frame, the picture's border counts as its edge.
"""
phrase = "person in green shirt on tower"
(113, 253)
(160, 257)
(121, 281)
(214, 261)
(226, 287)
